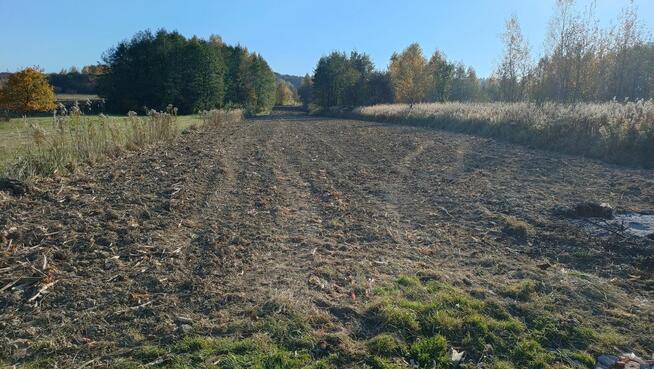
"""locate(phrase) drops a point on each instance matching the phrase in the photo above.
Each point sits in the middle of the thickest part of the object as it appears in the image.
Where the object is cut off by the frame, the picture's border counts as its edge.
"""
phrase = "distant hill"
(293, 80)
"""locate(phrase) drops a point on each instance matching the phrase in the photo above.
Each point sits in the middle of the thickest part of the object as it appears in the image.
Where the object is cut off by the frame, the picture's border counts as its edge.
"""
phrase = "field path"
(316, 211)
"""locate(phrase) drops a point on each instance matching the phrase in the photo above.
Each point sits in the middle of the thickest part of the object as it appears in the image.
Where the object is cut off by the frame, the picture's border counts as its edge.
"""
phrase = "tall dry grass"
(74, 139)
(615, 132)
(216, 118)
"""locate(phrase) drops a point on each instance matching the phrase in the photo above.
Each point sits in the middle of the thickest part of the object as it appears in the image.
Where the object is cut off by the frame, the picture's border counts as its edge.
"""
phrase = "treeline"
(74, 81)
(156, 69)
(71, 80)
(581, 62)
(351, 80)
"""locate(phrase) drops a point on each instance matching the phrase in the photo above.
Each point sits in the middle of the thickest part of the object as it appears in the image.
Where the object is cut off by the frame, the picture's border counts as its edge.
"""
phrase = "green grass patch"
(522, 290)
(432, 317)
(408, 324)
(260, 351)
(429, 352)
(386, 345)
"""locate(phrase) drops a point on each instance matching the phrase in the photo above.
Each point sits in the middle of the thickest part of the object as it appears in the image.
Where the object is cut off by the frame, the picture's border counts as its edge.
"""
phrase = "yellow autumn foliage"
(409, 75)
(27, 91)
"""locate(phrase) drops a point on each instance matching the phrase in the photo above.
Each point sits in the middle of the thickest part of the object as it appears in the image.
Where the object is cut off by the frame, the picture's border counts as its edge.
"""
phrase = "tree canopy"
(27, 91)
(345, 80)
(156, 69)
(409, 74)
(581, 62)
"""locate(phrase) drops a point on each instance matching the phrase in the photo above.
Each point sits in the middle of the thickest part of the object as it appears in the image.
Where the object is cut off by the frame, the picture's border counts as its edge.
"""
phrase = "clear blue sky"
(291, 35)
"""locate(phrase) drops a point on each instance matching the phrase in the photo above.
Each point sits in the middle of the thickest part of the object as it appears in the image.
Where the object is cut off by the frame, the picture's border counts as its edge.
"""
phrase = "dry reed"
(614, 131)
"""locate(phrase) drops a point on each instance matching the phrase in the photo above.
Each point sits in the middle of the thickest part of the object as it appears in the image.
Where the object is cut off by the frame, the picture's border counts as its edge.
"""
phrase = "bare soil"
(317, 210)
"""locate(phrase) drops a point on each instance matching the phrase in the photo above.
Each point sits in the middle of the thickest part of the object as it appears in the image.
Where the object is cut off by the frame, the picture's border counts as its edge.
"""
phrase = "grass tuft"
(386, 345)
(522, 290)
(515, 227)
(429, 352)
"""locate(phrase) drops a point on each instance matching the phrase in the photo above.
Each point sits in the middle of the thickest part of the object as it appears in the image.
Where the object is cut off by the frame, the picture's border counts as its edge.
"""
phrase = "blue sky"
(291, 35)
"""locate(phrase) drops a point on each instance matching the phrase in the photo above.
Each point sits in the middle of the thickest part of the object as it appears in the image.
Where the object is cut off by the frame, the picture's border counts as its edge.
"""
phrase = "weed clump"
(522, 290)
(429, 352)
(386, 345)
(515, 227)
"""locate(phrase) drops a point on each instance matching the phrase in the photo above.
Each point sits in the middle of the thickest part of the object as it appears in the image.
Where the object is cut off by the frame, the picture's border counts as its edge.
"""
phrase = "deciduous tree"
(27, 91)
(514, 66)
(409, 75)
(283, 93)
